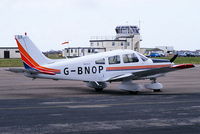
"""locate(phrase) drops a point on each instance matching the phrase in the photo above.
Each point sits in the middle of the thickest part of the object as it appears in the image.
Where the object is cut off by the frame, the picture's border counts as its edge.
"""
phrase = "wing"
(150, 73)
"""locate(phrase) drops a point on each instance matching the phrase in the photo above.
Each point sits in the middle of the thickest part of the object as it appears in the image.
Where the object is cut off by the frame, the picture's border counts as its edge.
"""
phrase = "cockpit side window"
(114, 59)
(143, 57)
(100, 61)
(130, 58)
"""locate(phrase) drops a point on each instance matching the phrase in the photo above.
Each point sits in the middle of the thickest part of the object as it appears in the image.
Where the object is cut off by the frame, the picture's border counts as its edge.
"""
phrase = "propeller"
(173, 58)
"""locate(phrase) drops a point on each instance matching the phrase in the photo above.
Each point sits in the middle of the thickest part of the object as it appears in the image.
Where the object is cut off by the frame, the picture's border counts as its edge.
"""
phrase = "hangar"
(9, 52)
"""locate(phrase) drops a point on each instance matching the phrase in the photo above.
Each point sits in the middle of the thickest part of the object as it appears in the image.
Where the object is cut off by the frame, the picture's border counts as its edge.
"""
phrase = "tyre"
(157, 90)
(133, 92)
(98, 89)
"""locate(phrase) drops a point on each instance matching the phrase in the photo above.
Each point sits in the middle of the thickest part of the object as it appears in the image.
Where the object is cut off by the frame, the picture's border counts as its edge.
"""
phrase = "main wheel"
(157, 90)
(133, 92)
(98, 89)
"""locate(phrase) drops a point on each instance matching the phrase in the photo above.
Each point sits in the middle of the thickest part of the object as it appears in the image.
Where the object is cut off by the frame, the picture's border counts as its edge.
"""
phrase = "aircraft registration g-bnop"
(96, 70)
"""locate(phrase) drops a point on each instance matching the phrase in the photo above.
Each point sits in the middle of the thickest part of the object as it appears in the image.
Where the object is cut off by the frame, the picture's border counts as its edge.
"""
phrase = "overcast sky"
(51, 22)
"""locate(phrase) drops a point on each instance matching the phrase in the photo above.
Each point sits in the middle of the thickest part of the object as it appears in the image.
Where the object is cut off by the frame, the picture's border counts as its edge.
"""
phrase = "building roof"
(8, 47)
(106, 40)
(153, 49)
(84, 48)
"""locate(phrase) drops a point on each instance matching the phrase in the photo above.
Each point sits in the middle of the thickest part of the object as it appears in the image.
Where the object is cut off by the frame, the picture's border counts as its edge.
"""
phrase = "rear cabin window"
(100, 61)
(114, 59)
(130, 58)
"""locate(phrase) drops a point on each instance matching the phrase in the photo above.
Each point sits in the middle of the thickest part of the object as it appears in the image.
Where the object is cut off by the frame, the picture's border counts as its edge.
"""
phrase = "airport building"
(127, 37)
(9, 52)
(71, 52)
(163, 50)
(148, 51)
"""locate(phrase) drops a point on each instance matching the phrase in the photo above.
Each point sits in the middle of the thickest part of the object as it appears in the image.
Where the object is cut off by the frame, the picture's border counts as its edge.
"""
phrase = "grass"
(18, 62)
(11, 63)
(184, 60)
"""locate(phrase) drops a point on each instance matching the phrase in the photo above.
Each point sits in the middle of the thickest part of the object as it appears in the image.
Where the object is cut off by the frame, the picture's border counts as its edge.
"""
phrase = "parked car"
(190, 54)
(197, 54)
(155, 55)
(182, 54)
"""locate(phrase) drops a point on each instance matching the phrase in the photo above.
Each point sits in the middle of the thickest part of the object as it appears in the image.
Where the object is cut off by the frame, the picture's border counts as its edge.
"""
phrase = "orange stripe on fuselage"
(136, 67)
(27, 58)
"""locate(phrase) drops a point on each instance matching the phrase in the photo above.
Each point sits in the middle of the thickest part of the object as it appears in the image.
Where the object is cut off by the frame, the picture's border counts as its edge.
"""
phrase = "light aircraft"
(96, 70)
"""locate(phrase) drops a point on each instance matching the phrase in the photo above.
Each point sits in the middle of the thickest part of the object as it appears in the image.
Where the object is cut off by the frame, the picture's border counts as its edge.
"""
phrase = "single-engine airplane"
(96, 70)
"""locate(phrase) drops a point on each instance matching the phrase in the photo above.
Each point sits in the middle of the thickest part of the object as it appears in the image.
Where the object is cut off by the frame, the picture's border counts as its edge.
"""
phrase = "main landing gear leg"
(98, 86)
(155, 86)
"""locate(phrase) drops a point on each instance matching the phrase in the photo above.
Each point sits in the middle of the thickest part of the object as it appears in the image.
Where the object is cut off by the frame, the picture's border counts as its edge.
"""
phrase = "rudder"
(32, 57)
(28, 49)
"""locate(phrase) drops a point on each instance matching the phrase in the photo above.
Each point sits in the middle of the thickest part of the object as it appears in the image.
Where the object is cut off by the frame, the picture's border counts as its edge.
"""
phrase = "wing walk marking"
(123, 68)
(32, 63)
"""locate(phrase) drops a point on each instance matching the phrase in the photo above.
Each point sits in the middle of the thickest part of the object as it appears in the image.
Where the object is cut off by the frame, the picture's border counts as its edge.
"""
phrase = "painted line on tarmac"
(97, 105)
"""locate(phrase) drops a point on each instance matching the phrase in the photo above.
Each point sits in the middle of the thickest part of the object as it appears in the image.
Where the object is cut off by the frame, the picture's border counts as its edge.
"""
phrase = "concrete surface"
(59, 107)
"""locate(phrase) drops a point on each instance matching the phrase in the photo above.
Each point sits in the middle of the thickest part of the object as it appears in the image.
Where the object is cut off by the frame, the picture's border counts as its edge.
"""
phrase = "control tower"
(127, 37)
(127, 31)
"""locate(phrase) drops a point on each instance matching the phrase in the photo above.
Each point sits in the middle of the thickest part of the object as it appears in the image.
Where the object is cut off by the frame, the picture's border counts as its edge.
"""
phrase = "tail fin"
(32, 57)
(25, 43)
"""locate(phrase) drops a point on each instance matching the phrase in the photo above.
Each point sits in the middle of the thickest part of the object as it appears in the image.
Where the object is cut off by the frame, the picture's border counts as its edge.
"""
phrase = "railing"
(102, 38)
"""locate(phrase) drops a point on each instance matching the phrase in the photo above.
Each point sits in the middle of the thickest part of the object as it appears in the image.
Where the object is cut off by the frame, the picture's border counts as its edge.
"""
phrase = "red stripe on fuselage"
(136, 67)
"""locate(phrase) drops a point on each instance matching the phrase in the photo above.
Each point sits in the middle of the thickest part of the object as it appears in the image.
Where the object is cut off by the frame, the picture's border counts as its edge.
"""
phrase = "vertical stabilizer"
(32, 57)
(28, 48)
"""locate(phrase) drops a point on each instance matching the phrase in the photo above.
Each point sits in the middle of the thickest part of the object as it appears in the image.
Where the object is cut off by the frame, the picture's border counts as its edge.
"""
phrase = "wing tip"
(184, 66)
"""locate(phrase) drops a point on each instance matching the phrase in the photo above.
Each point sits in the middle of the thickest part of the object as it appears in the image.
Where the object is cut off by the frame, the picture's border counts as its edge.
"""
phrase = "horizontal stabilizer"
(20, 70)
(16, 70)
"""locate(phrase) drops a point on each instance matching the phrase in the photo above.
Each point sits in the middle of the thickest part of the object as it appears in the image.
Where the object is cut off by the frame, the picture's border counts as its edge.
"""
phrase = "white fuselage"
(91, 67)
